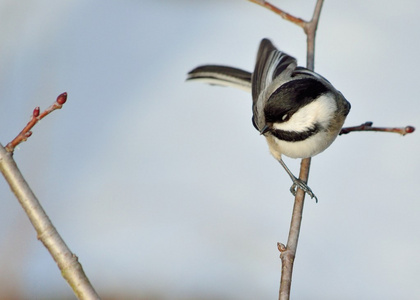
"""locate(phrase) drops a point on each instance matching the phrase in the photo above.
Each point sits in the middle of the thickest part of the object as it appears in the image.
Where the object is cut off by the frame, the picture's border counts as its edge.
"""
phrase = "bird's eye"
(284, 117)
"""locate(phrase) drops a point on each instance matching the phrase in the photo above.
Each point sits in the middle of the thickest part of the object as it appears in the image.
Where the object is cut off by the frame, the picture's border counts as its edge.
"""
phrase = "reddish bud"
(35, 114)
(28, 134)
(62, 98)
(281, 247)
(409, 129)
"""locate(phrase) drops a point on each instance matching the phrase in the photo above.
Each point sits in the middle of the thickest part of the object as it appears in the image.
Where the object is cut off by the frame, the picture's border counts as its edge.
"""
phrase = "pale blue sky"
(164, 187)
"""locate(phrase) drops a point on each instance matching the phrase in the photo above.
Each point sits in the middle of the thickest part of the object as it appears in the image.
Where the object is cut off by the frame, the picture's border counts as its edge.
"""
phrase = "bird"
(298, 111)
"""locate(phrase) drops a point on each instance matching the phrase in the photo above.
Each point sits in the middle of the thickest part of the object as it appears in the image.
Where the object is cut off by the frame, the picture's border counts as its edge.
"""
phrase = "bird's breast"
(308, 147)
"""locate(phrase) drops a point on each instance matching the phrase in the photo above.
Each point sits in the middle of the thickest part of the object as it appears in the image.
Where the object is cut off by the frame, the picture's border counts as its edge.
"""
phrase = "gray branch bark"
(67, 262)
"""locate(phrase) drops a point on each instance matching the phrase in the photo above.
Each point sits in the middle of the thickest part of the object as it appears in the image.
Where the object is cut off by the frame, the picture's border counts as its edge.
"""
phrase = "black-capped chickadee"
(297, 110)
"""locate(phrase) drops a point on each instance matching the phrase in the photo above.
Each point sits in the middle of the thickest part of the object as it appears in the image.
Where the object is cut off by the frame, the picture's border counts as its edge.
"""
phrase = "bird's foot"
(298, 183)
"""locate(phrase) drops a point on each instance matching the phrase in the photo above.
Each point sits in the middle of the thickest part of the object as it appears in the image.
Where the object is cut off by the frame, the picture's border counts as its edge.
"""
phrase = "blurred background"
(164, 190)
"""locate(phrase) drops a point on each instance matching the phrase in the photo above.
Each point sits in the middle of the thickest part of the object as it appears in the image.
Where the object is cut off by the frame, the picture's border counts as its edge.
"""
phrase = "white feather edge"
(222, 80)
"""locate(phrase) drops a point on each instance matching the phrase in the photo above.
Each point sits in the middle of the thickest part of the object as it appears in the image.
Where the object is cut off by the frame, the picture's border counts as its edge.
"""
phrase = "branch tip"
(36, 116)
(409, 129)
(62, 98)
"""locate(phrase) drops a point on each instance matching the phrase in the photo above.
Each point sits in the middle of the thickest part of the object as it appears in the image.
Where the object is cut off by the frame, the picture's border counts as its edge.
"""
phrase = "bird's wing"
(272, 69)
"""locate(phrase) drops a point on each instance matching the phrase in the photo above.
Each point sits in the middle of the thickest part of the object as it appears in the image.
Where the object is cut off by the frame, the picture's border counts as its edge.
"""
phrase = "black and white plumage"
(298, 111)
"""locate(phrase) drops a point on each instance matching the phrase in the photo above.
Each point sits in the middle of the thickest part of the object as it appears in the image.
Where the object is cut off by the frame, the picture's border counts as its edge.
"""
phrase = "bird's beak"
(264, 130)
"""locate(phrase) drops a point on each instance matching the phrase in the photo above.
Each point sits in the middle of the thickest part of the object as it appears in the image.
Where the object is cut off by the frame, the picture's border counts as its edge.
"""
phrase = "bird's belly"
(300, 149)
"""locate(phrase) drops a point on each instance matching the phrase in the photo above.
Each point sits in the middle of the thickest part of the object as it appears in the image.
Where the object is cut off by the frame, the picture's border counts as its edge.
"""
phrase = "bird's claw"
(297, 183)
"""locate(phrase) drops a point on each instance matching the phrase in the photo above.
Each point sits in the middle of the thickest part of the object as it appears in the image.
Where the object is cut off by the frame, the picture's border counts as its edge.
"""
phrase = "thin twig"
(36, 116)
(288, 252)
(281, 13)
(288, 256)
(309, 27)
(367, 126)
(310, 31)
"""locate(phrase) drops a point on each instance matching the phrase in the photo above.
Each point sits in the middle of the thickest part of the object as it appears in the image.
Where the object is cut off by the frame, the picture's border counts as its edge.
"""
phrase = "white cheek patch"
(319, 111)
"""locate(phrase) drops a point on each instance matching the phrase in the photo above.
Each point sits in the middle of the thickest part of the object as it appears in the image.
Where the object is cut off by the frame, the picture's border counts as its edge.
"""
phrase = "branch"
(281, 13)
(67, 261)
(310, 31)
(36, 116)
(309, 27)
(288, 255)
(288, 252)
(367, 126)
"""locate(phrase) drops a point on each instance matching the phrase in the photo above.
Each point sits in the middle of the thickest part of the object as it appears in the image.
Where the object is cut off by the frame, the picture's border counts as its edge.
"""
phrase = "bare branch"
(36, 116)
(288, 252)
(310, 31)
(67, 262)
(367, 126)
(281, 13)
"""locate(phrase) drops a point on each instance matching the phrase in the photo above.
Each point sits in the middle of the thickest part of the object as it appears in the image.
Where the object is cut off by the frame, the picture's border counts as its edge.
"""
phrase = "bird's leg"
(298, 183)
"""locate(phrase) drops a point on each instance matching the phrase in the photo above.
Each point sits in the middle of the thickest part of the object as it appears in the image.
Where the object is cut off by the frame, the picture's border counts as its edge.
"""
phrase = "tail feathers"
(222, 75)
